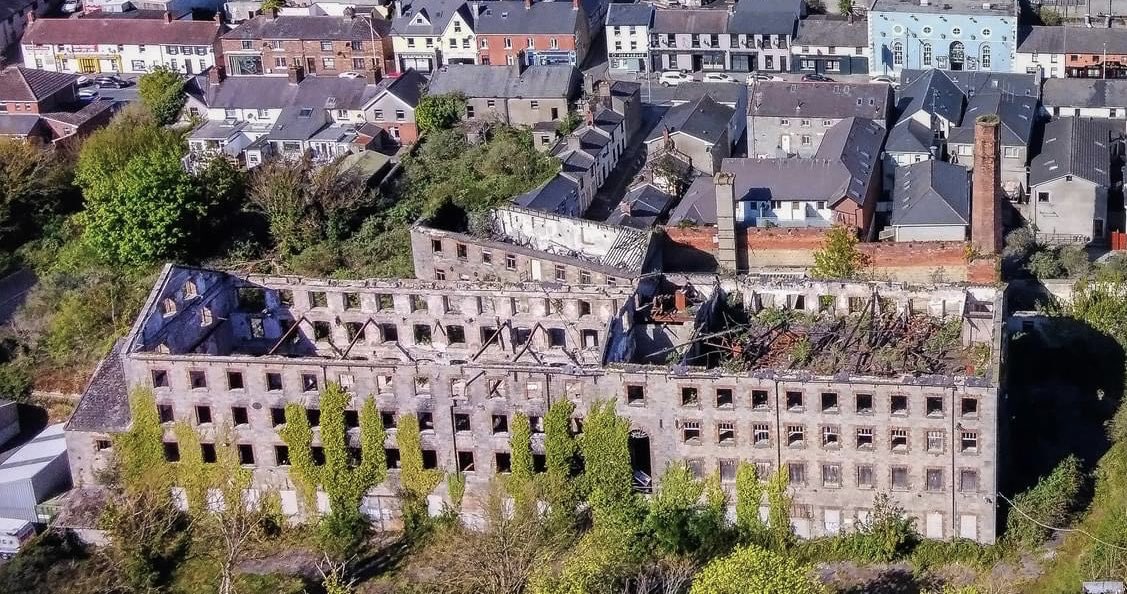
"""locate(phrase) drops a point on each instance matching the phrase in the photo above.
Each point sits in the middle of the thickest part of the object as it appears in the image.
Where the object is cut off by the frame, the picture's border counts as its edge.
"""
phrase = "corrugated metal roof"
(34, 455)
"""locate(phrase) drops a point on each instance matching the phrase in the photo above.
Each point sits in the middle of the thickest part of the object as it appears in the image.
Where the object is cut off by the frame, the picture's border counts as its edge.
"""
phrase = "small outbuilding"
(34, 473)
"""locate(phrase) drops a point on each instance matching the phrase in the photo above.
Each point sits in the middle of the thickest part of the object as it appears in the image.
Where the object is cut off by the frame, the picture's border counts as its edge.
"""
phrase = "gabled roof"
(91, 31)
(276, 92)
(306, 27)
(931, 92)
(931, 192)
(1080, 147)
(909, 136)
(641, 207)
(638, 14)
(820, 100)
(27, 84)
(1075, 40)
(558, 195)
(973, 82)
(704, 119)
(1017, 115)
(407, 87)
(765, 17)
(842, 169)
(698, 205)
(690, 20)
(501, 17)
(831, 30)
(436, 16)
(481, 80)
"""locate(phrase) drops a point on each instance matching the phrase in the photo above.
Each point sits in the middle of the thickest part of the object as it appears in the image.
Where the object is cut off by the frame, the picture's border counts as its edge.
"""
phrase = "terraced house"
(426, 34)
(532, 32)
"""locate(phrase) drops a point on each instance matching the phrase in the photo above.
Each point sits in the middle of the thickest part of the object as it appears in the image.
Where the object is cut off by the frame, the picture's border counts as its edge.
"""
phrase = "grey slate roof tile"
(931, 192)
(481, 80)
(703, 119)
(104, 405)
(820, 100)
(1075, 146)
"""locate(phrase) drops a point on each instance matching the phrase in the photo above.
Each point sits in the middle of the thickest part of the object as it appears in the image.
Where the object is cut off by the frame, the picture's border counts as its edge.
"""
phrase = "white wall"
(1052, 65)
(132, 59)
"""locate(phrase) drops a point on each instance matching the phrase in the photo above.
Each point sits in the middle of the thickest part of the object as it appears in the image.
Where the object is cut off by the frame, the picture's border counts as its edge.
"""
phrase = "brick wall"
(908, 262)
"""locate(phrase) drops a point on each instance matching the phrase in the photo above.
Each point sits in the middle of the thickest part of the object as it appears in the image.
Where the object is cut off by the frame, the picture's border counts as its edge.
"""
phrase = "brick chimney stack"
(726, 220)
(986, 206)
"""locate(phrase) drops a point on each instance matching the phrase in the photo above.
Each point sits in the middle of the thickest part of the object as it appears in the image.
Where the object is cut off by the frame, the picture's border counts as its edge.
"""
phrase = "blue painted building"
(948, 34)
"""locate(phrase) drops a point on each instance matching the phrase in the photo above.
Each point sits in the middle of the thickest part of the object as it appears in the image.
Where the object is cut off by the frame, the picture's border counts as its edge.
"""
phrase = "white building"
(628, 37)
(426, 34)
(34, 473)
(117, 45)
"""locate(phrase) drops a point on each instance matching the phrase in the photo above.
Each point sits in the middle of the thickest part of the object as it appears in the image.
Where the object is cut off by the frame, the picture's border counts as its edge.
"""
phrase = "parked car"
(350, 75)
(87, 93)
(759, 76)
(71, 6)
(111, 82)
(84, 80)
(816, 78)
(718, 77)
(672, 79)
(13, 535)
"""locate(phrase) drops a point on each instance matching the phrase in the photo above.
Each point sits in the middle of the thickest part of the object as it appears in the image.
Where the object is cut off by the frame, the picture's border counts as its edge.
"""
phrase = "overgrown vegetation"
(839, 258)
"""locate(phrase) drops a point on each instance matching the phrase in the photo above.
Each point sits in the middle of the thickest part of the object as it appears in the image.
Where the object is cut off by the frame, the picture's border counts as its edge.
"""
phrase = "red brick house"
(509, 31)
(45, 105)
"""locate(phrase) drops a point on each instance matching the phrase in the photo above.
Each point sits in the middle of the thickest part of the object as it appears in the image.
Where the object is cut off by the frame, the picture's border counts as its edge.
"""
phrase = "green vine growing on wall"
(749, 496)
(140, 450)
(192, 474)
(519, 483)
(778, 514)
(456, 486)
(417, 482)
(561, 454)
(298, 436)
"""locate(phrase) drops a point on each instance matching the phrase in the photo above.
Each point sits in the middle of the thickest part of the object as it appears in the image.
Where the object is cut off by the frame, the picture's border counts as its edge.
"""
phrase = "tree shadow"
(895, 581)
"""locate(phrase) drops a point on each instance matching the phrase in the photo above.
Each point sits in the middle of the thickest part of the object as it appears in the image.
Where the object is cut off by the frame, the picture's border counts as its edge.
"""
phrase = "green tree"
(754, 569)
(1051, 501)
(686, 515)
(141, 205)
(161, 91)
(439, 112)
(845, 6)
(838, 257)
(569, 123)
(887, 535)
(35, 179)
(268, 5)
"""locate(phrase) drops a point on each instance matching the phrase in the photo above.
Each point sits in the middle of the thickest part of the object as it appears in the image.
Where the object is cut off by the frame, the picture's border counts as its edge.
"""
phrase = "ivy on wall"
(778, 514)
(520, 481)
(191, 473)
(298, 436)
(416, 482)
(749, 496)
(140, 450)
(561, 453)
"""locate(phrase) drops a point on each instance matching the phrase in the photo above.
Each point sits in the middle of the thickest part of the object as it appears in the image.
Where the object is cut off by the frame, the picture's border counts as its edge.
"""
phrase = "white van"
(13, 535)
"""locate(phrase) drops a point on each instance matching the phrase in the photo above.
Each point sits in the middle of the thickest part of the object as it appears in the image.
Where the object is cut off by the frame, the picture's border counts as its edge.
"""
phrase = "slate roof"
(931, 192)
(28, 84)
(298, 123)
(909, 136)
(1084, 92)
(559, 195)
(698, 205)
(91, 31)
(841, 169)
(820, 100)
(765, 17)
(276, 92)
(18, 125)
(501, 17)
(726, 93)
(408, 87)
(1017, 115)
(1074, 40)
(641, 13)
(104, 405)
(932, 92)
(1074, 146)
(690, 20)
(436, 12)
(830, 30)
(480, 80)
(953, 7)
(973, 82)
(704, 119)
(641, 207)
(311, 28)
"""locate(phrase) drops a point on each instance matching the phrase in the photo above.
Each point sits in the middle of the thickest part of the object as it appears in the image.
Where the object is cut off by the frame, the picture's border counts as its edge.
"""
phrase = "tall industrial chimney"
(726, 220)
(986, 206)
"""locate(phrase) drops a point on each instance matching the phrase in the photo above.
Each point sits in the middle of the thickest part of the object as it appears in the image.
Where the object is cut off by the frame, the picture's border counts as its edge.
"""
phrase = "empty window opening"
(308, 382)
(761, 434)
(724, 398)
(461, 422)
(504, 462)
(726, 433)
(426, 421)
(318, 299)
(935, 441)
(234, 380)
(969, 441)
(171, 451)
(422, 334)
(796, 435)
(760, 399)
(864, 438)
(831, 436)
(456, 334)
(239, 415)
(465, 462)
(689, 396)
(392, 455)
(430, 459)
(500, 424)
(557, 338)
(351, 419)
(635, 394)
(898, 404)
(352, 300)
(829, 402)
(969, 407)
(281, 455)
(274, 382)
(246, 454)
(165, 413)
(207, 450)
(203, 414)
(321, 331)
(864, 404)
(934, 406)
(388, 419)
(197, 379)
(277, 416)
(794, 401)
(318, 454)
(690, 431)
(160, 378)
(313, 415)
(899, 439)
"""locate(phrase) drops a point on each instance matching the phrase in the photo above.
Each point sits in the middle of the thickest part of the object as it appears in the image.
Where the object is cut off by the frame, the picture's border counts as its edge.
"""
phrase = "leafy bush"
(15, 382)
(755, 569)
(1051, 501)
(161, 90)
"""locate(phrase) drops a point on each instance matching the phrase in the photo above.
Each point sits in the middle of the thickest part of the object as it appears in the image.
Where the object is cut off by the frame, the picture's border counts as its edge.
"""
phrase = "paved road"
(13, 291)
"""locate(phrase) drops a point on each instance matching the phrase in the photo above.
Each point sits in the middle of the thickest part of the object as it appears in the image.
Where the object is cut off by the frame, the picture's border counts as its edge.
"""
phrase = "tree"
(839, 257)
(499, 556)
(686, 515)
(141, 205)
(1051, 501)
(755, 569)
(569, 123)
(439, 112)
(35, 179)
(148, 538)
(268, 5)
(845, 6)
(304, 203)
(161, 91)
